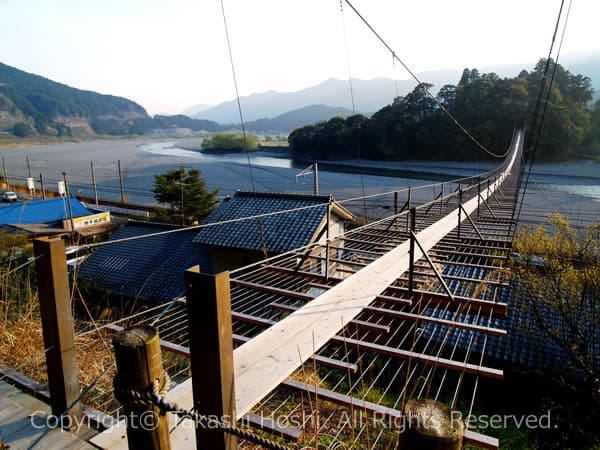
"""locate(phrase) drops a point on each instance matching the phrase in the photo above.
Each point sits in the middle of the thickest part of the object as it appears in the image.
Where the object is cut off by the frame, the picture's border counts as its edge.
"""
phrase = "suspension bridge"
(398, 309)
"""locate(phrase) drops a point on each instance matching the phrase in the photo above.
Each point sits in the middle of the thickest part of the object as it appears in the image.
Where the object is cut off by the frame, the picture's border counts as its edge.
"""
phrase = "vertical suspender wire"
(362, 180)
(237, 96)
(538, 127)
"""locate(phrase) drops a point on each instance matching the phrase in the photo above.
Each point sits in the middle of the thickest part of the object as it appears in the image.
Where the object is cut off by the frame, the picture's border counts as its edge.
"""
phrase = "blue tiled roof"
(150, 269)
(282, 232)
(41, 211)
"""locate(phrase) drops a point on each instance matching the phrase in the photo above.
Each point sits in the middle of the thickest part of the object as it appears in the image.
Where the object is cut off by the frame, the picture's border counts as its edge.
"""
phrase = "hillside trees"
(490, 107)
(184, 192)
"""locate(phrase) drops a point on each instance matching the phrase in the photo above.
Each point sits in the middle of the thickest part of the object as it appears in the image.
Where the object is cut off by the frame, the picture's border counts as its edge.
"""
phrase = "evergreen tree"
(185, 194)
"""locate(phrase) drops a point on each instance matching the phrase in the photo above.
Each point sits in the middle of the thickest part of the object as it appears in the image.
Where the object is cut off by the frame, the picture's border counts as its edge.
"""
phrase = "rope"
(154, 395)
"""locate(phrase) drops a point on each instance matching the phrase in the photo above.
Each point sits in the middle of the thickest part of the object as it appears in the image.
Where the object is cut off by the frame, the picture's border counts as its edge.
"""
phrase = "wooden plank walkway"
(23, 424)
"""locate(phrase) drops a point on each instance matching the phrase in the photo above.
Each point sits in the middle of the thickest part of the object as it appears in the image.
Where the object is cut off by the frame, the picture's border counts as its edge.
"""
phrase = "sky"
(168, 55)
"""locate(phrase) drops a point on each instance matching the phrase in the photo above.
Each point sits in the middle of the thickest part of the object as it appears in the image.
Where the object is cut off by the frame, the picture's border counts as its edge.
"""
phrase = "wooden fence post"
(211, 354)
(139, 363)
(57, 325)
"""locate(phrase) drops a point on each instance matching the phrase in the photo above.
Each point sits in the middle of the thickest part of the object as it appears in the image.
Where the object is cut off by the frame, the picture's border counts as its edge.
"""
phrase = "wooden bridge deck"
(23, 424)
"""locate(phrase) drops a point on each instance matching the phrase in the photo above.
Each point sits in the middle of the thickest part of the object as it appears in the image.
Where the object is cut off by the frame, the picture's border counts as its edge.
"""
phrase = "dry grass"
(21, 340)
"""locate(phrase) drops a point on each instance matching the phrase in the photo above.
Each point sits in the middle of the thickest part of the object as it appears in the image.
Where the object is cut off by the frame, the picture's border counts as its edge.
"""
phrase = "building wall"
(230, 258)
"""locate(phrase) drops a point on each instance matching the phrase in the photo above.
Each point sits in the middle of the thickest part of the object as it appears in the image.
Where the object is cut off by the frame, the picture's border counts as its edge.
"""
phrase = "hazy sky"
(168, 55)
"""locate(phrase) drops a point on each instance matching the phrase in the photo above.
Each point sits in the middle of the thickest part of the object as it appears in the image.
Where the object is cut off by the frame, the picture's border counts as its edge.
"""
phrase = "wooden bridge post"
(57, 326)
(411, 251)
(211, 354)
(395, 202)
(441, 198)
(139, 363)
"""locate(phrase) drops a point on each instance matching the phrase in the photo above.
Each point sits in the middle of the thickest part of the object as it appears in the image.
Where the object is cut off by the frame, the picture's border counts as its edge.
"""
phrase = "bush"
(21, 129)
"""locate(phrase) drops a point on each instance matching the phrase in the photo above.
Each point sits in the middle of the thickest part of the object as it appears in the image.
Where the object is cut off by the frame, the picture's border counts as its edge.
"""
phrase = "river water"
(141, 159)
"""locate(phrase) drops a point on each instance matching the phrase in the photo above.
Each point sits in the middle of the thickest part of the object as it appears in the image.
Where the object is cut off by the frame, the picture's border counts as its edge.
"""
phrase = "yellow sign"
(88, 221)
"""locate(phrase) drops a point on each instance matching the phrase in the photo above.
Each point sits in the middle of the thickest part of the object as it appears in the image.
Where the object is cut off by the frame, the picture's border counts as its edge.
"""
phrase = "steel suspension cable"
(537, 128)
(426, 91)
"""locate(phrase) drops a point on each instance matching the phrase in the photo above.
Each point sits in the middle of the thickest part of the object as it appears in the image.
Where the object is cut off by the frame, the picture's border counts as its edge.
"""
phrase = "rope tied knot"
(151, 395)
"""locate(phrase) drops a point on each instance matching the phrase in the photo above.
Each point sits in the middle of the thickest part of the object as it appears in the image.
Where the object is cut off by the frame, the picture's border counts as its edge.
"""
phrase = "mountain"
(369, 96)
(194, 109)
(372, 95)
(296, 118)
(31, 101)
(55, 107)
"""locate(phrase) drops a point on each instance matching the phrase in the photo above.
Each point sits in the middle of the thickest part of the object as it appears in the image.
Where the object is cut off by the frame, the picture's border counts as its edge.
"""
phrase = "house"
(145, 261)
(242, 242)
(53, 216)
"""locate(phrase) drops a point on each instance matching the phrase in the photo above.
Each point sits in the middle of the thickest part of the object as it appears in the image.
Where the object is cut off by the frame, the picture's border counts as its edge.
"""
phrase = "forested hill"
(50, 104)
(32, 104)
(415, 127)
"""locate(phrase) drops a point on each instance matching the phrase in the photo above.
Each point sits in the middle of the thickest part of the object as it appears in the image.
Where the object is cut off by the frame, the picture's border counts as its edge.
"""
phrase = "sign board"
(61, 189)
(87, 221)
(30, 184)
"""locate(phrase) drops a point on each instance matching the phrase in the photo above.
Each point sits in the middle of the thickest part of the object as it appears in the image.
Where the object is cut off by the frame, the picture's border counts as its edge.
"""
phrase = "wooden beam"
(447, 323)
(272, 289)
(272, 426)
(423, 358)
(437, 297)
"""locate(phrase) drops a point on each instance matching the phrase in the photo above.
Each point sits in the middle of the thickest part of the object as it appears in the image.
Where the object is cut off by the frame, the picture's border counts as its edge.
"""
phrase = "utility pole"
(94, 182)
(182, 184)
(42, 186)
(121, 182)
(69, 203)
(5, 173)
(316, 173)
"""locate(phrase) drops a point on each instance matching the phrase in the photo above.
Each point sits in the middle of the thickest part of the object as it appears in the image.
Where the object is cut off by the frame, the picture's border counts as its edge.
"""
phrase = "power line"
(237, 95)
(424, 88)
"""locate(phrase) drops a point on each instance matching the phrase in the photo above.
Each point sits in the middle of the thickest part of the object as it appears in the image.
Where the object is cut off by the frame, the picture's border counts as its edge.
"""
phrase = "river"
(142, 159)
